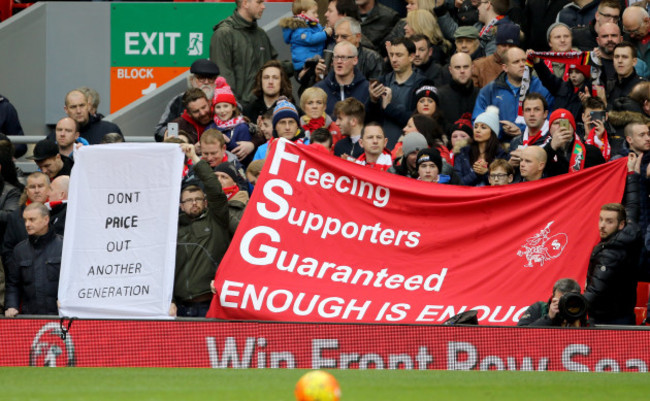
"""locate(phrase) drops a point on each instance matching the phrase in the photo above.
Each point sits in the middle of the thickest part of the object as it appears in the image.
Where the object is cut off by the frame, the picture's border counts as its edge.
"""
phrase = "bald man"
(636, 23)
(91, 127)
(533, 161)
(67, 136)
(459, 95)
(58, 202)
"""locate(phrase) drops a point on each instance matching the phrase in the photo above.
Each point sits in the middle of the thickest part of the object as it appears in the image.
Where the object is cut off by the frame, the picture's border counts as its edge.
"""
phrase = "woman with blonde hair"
(425, 23)
(313, 103)
(398, 29)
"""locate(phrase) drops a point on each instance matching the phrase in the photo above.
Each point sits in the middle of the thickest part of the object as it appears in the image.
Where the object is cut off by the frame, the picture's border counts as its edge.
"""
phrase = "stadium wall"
(53, 47)
(211, 344)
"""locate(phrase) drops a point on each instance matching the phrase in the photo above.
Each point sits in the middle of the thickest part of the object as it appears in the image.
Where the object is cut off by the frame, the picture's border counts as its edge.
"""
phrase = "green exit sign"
(163, 34)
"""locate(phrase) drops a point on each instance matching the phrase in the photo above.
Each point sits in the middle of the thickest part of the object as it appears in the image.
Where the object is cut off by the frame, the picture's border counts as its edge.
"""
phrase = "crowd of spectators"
(465, 92)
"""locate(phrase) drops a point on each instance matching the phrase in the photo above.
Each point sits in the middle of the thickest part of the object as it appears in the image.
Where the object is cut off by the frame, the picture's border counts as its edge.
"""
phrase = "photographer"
(565, 308)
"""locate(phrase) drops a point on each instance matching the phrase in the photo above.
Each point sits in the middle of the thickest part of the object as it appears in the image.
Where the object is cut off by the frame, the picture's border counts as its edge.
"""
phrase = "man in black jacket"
(566, 152)
(612, 273)
(460, 94)
(626, 77)
(33, 280)
(91, 127)
(50, 161)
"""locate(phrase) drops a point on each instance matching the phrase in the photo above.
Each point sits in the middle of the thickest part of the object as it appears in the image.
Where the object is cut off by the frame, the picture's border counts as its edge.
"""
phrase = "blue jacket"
(498, 93)
(574, 16)
(306, 40)
(357, 89)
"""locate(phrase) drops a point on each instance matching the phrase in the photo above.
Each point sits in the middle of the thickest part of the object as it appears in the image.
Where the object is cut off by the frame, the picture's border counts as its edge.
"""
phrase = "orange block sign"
(128, 84)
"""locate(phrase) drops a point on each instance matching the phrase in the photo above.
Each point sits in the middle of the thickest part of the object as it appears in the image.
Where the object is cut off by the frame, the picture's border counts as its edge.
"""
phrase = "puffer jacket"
(203, 241)
(498, 93)
(240, 48)
(33, 279)
(614, 264)
(306, 40)
(612, 275)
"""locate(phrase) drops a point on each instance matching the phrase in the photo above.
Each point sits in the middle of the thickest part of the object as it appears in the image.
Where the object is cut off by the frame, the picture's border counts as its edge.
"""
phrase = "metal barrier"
(28, 166)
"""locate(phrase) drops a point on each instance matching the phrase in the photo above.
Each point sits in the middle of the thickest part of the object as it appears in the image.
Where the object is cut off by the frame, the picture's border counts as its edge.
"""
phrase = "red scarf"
(531, 141)
(309, 20)
(604, 147)
(186, 167)
(581, 58)
(444, 153)
(230, 191)
(229, 124)
(198, 127)
(313, 124)
(52, 204)
(383, 163)
(565, 76)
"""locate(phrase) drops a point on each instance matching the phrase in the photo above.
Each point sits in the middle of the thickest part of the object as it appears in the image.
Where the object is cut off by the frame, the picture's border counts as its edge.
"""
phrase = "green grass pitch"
(162, 384)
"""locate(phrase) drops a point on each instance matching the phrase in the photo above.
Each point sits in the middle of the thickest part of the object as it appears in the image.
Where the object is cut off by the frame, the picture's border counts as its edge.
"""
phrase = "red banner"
(97, 343)
(325, 240)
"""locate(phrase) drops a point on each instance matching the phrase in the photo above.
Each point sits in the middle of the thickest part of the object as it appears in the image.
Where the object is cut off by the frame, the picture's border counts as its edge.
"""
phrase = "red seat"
(640, 314)
(641, 309)
(7, 8)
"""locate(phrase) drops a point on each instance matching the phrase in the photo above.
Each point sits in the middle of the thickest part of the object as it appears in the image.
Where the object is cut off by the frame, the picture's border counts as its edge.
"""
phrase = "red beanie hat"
(562, 113)
(584, 69)
(223, 93)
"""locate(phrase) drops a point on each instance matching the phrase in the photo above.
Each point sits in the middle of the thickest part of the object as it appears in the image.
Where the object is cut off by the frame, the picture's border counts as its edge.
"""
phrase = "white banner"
(119, 248)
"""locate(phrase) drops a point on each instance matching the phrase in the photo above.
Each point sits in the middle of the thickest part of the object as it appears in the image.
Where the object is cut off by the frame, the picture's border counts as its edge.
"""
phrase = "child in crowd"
(568, 94)
(429, 163)
(303, 32)
(265, 124)
(321, 139)
(253, 172)
(228, 119)
(501, 172)
(461, 135)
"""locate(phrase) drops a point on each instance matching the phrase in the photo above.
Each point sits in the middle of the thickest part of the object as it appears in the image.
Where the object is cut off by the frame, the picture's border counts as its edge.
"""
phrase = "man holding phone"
(597, 131)
(566, 152)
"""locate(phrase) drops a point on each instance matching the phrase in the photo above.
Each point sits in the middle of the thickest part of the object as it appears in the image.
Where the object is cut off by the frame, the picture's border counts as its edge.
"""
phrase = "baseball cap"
(44, 149)
(469, 32)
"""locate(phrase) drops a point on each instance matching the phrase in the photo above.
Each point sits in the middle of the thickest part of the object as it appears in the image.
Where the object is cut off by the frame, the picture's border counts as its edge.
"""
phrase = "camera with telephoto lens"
(572, 307)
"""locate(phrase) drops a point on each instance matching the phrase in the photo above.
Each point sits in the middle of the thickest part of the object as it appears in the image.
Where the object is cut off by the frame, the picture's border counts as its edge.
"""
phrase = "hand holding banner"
(120, 239)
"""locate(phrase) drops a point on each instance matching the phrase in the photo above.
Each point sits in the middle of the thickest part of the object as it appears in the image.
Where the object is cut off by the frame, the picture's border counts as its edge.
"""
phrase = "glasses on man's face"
(614, 18)
(204, 79)
(343, 58)
(498, 177)
(634, 32)
(342, 36)
(192, 200)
